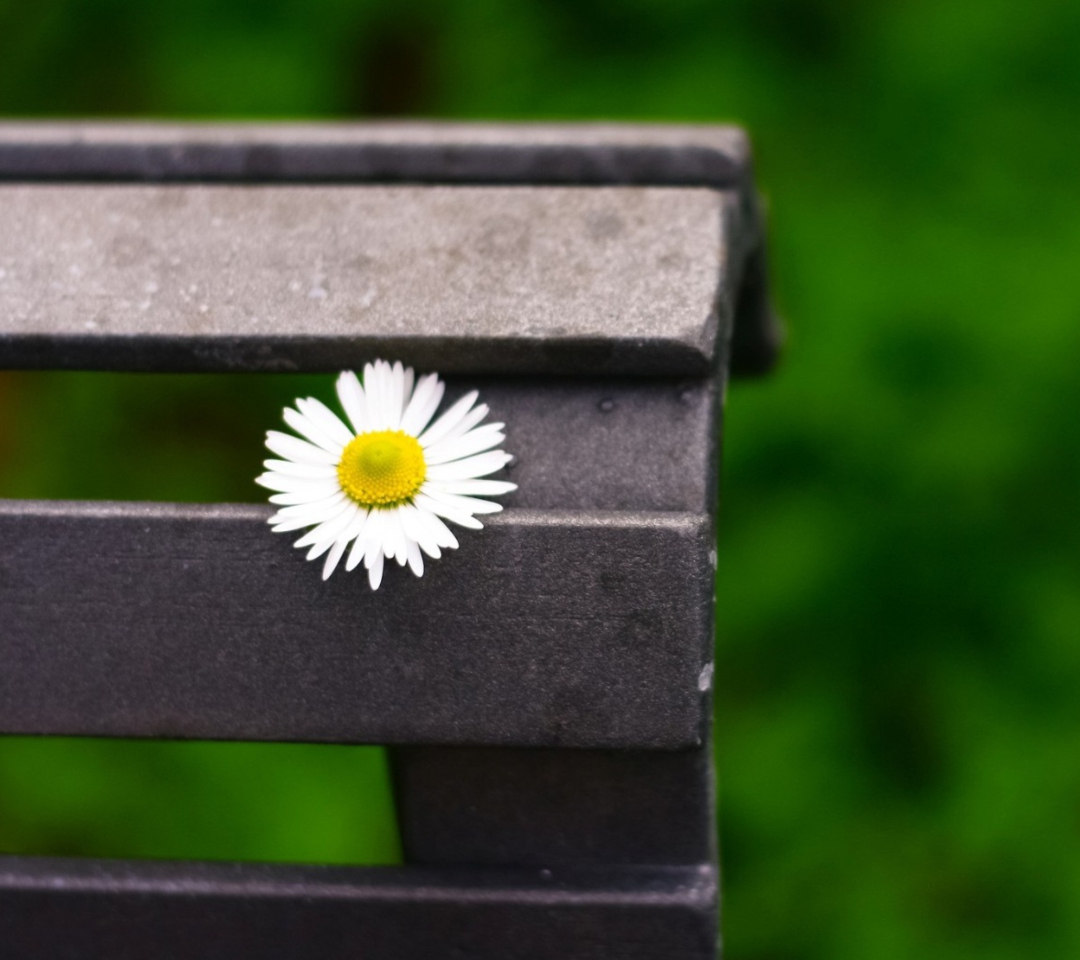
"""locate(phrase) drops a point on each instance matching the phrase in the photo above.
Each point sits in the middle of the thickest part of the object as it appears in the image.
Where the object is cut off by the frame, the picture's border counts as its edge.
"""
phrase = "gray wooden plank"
(546, 629)
(611, 280)
(587, 153)
(549, 808)
(607, 444)
(101, 910)
(458, 153)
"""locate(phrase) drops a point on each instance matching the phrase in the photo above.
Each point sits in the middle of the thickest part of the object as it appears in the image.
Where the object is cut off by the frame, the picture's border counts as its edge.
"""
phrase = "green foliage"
(899, 585)
(237, 801)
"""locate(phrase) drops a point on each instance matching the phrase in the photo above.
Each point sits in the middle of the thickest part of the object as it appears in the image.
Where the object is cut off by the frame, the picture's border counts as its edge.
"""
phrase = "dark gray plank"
(594, 154)
(546, 629)
(608, 445)
(377, 152)
(100, 910)
(611, 280)
(552, 808)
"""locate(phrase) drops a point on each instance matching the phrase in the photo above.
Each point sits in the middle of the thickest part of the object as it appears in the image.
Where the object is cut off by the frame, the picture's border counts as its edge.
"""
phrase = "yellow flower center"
(382, 469)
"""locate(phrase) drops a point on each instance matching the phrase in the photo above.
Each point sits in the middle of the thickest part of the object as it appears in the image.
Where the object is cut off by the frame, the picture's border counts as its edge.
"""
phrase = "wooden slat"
(546, 629)
(607, 445)
(100, 910)
(610, 280)
(494, 806)
(484, 153)
(441, 153)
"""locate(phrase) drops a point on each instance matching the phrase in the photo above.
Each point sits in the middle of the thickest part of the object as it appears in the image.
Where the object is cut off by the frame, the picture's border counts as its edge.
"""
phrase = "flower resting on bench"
(386, 483)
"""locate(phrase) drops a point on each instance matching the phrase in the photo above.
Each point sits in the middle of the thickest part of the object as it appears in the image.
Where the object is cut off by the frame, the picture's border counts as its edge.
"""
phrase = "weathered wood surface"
(496, 806)
(484, 153)
(588, 444)
(102, 910)
(631, 280)
(416, 153)
(546, 629)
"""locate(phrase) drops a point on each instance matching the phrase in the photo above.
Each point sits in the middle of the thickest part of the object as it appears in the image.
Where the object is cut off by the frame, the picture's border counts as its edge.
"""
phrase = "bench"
(545, 693)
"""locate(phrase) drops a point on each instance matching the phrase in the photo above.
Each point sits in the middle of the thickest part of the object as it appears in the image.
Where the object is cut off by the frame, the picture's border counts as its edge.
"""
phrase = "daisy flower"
(385, 481)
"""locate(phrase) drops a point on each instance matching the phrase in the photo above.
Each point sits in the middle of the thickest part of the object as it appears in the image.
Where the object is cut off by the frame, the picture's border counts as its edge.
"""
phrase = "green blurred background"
(899, 587)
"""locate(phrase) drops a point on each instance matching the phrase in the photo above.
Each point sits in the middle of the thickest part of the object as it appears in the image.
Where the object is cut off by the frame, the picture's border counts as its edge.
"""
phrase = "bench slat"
(606, 281)
(546, 629)
(119, 910)
(494, 806)
(606, 444)
(378, 152)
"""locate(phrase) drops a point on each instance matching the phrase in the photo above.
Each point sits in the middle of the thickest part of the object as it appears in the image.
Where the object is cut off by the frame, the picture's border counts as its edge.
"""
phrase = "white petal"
(356, 554)
(373, 531)
(398, 543)
(342, 524)
(390, 533)
(413, 522)
(375, 572)
(355, 534)
(297, 523)
(311, 513)
(425, 401)
(353, 530)
(333, 557)
(443, 536)
(397, 397)
(307, 471)
(462, 504)
(311, 430)
(410, 380)
(293, 448)
(476, 441)
(442, 427)
(328, 530)
(323, 544)
(385, 371)
(386, 384)
(296, 499)
(318, 412)
(372, 552)
(481, 488)
(338, 496)
(471, 467)
(315, 489)
(373, 393)
(467, 422)
(371, 399)
(351, 395)
(460, 517)
(319, 509)
(416, 559)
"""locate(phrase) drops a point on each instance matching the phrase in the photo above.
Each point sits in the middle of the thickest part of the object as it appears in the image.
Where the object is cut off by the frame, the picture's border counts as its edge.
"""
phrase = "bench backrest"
(547, 695)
